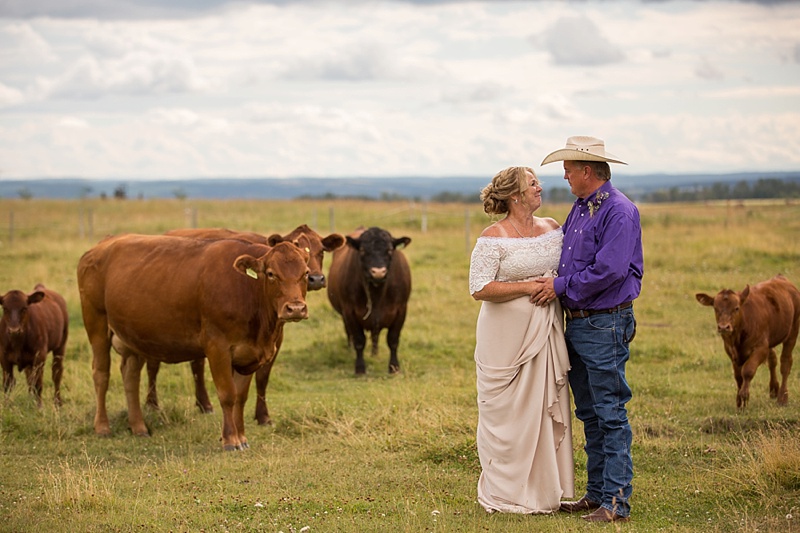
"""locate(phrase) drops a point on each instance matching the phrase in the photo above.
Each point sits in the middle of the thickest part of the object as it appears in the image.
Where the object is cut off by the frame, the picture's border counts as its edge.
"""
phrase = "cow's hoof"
(394, 369)
(232, 447)
(264, 421)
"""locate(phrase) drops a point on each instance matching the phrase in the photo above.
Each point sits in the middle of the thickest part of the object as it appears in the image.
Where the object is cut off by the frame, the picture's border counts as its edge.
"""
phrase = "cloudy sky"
(157, 89)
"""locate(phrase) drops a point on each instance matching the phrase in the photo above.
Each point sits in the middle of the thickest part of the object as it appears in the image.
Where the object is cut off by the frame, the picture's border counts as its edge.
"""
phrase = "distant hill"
(420, 188)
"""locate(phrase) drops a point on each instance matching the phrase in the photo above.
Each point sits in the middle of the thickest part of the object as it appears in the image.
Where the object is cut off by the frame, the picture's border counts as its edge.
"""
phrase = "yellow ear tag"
(307, 250)
(252, 273)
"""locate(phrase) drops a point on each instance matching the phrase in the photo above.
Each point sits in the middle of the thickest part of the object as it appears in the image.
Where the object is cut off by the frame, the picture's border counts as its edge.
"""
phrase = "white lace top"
(511, 259)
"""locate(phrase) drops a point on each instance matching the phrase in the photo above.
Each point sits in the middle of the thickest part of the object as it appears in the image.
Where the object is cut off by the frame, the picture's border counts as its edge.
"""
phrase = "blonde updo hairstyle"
(504, 185)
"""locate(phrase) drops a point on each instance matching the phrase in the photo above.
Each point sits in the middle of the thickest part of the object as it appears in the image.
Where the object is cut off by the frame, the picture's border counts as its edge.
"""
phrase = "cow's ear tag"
(252, 273)
(308, 251)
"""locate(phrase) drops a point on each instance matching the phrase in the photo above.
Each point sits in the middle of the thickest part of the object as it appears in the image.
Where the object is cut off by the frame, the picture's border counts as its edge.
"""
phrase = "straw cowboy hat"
(583, 148)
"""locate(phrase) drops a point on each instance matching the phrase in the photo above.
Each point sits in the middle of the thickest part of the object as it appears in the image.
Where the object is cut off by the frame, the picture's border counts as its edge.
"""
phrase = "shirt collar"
(605, 187)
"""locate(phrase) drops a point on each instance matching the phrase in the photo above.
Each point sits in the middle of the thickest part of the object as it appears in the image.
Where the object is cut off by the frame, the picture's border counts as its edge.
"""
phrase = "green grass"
(397, 453)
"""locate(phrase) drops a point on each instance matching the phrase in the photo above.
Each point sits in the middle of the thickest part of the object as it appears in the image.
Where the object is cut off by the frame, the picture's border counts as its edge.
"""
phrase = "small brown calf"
(752, 323)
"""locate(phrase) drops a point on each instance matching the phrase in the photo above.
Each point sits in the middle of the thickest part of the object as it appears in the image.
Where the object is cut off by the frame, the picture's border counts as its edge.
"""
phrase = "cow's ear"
(249, 266)
(401, 242)
(332, 242)
(36, 297)
(704, 299)
(744, 294)
(274, 239)
(353, 243)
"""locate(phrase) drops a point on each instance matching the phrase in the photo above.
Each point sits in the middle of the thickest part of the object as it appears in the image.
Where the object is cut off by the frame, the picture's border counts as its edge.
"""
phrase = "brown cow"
(303, 237)
(751, 324)
(33, 325)
(369, 284)
(176, 299)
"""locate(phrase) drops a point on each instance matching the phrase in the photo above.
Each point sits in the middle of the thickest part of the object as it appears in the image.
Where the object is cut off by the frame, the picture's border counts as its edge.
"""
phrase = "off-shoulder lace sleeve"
(484, 264)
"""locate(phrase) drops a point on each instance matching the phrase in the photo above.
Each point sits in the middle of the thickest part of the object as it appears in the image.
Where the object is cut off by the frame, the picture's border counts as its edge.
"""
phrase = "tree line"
(761, 189)
(740, 190)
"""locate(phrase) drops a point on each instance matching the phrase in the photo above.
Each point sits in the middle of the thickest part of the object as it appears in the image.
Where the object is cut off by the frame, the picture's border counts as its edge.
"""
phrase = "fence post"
(191, 217)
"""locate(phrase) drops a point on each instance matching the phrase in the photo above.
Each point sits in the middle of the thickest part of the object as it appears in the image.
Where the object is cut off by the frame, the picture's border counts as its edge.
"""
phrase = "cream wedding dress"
(524, 431)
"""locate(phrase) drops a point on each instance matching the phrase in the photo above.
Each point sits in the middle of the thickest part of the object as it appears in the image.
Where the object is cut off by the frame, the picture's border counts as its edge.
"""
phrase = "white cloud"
(708, 70)
(578, 41)
(394, 88)
(73, 122)
(10, 96)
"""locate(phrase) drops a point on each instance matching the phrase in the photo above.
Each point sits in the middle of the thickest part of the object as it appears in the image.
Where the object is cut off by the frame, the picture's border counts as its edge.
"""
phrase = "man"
(599, 277)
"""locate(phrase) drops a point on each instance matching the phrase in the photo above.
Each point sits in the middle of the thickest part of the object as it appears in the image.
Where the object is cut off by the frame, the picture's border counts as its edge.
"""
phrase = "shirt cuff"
(559, 285)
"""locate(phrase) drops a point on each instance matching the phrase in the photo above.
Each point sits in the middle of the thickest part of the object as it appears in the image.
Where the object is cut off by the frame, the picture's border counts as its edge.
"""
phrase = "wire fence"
(29, 220)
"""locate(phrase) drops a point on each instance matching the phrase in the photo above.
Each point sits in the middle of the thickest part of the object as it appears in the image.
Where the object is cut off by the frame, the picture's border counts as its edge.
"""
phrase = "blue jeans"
(598, 350)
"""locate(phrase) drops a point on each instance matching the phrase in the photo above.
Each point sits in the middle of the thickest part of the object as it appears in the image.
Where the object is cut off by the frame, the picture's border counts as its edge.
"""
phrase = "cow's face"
(15, 310)
(727, 308)
(375, 249)
(309, 240)
(284, 271)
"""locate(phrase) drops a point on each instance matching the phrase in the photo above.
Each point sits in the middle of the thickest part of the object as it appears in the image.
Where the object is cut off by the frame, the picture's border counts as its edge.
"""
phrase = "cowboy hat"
(583, 148)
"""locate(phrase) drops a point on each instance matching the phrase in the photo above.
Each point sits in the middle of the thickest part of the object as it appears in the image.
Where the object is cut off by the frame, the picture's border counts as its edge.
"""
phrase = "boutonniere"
(595, 205)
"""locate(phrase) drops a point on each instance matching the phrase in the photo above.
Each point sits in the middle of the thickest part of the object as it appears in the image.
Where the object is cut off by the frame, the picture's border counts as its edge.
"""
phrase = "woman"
(524, 423)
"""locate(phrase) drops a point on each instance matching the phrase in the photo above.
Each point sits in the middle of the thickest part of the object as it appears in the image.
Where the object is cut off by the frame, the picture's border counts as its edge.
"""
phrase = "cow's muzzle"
(294, 311)
(316, 282)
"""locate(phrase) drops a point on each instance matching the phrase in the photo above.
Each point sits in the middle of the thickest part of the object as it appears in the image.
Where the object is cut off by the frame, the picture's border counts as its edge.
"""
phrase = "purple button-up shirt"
(601, 262)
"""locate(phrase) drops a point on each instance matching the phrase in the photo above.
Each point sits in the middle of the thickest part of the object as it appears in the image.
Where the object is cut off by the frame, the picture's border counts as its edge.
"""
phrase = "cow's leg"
(359, 343)
(131, 368)
(97, 331)
(219, 363)
(773, 379)
(200, 391)
(737, 374)
(262, 380)
(757, 356)
(786, 366)
(347, 332)
(57, 371)
(8, 377)
(242, 383)
(153, 367)
(393, 340)
(35, 375)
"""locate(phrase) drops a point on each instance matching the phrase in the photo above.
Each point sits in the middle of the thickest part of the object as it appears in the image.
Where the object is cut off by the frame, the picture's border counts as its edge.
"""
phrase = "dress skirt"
(524, 434)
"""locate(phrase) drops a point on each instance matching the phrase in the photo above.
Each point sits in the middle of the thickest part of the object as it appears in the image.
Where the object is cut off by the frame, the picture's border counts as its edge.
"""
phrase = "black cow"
(369, 284)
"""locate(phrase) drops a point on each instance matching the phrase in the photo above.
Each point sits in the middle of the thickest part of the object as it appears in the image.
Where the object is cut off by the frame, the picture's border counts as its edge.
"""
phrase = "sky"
(183, 89)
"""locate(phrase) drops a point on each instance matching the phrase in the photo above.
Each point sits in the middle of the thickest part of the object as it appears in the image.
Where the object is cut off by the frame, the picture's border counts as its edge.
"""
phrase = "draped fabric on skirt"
(524, 432)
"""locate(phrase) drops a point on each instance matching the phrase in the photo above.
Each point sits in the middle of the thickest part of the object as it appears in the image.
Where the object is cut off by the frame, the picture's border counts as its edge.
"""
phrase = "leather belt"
(583, 313)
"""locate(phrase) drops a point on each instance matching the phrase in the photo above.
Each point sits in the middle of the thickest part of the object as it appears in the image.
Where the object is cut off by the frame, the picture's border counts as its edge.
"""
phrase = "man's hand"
(545, 293)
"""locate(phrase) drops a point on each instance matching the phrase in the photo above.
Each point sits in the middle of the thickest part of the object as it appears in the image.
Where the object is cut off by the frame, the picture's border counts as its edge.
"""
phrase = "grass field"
(397, 453)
